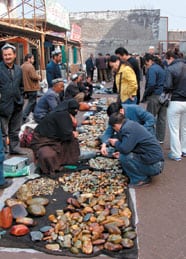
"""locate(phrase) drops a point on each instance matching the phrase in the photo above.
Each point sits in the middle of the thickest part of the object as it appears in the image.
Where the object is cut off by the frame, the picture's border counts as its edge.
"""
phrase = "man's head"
(74, 77)
(115, 108)
(30, 58)
(57, 56)
(116, 120)
(122, 53)
(148, 60)
(80, 77)
(170, 56)
(58, 85)
(151, 50)
(8, 54)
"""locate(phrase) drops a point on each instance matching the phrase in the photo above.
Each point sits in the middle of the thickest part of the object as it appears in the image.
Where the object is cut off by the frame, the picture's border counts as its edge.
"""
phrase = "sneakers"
(170, 156)
(183, 154)
(6, 184)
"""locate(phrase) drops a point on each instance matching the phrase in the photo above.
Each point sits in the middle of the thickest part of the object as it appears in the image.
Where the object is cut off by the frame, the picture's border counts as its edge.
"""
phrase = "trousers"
(176, 115)
(160, 113)
(10, 127)
(138, 171)
(32, 98)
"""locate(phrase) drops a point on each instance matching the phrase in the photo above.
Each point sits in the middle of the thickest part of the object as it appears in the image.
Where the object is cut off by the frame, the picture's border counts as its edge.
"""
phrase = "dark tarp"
(58, 201)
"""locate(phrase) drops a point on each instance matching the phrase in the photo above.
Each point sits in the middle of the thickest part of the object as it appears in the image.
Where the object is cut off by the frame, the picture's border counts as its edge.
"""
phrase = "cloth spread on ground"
(57, 201)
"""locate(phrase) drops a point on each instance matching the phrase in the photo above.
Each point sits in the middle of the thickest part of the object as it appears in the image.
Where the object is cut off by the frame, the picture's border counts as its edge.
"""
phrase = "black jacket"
(11, 89)
(176, 80)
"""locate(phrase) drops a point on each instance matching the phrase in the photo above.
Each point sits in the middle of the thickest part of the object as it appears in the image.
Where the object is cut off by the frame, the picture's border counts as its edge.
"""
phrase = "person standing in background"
(125, 80)
(175, 84)
(155, 77)
(101, 68)
(31, 84)
(123, 54)
(90, 66)
(11, 99)
(53, 69)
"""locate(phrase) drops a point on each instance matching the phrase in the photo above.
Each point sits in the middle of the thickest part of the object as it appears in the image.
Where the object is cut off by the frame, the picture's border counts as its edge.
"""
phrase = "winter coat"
(30, 77)
(11, 89)
(176, 80)
(128, 82)
(52, 72)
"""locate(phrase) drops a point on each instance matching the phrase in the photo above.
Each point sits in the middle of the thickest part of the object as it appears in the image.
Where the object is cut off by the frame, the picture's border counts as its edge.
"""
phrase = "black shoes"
(6, 184)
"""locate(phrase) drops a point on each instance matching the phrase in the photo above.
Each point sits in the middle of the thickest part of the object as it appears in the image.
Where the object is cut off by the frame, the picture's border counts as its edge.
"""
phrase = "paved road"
(161, 212)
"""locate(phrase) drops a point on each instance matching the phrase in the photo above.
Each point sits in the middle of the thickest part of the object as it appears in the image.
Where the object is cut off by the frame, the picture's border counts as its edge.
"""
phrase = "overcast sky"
(174, 9)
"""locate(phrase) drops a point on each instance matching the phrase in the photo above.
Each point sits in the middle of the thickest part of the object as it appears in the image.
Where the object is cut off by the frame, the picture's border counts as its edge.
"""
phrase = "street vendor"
(55, 140)
(138, 150)
(49, 100)
(131, 111)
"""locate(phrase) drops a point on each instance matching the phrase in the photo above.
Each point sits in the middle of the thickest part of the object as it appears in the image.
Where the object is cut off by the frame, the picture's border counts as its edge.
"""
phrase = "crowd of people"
(135, 133)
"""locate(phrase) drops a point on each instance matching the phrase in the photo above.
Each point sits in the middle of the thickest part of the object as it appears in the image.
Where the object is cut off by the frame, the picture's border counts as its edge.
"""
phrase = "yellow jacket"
(128, 82)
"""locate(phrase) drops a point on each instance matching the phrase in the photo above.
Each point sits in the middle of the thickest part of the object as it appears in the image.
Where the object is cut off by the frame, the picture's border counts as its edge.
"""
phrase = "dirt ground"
(160, 212)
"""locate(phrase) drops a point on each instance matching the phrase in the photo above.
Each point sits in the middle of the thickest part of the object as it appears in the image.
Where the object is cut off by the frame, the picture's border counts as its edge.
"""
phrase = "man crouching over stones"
(139, 152)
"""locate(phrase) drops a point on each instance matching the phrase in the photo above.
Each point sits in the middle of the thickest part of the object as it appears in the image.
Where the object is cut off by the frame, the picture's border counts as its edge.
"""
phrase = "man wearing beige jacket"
(31, 84)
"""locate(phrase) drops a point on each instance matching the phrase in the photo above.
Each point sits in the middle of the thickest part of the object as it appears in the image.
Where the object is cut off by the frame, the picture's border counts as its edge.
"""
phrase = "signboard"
(75, 33)
(57, 15)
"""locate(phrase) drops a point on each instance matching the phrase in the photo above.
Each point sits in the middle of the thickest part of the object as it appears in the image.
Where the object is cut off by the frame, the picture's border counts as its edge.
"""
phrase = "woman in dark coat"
(55, 140)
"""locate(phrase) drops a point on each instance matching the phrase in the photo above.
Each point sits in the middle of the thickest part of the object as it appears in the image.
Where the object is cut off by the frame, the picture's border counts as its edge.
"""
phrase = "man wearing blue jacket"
(49, 100)
(139, 152)
(52, 69)
(131, 111)
(155, 78)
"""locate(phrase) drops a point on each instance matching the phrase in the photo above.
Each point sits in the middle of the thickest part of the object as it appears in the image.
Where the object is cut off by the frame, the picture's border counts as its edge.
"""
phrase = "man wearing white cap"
(49, 100)
(52, 69)
(73, 90)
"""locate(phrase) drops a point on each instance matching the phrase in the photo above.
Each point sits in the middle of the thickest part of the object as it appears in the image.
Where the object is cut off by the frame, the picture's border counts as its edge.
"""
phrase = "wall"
(104, 31)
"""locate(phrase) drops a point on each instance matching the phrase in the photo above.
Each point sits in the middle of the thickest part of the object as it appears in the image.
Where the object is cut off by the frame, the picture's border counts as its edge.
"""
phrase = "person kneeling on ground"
(139, 152)
(55, 140)
(132, 112)
(49, 100)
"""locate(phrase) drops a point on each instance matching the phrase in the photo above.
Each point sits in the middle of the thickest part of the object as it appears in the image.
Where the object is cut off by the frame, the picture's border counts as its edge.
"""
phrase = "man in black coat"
(11, 99)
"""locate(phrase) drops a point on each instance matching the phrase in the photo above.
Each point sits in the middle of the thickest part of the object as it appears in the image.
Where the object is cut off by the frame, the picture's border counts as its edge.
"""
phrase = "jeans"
(176, 115)
(32, 97)
(160, 113)
(2, 179)
(138, 171)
